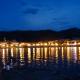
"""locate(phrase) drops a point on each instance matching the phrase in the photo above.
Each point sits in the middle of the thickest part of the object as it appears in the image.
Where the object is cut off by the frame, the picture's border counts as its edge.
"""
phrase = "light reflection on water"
(40, 56)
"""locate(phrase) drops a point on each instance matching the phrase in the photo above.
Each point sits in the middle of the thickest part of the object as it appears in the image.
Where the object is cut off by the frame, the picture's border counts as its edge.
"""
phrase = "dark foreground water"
(45, 63)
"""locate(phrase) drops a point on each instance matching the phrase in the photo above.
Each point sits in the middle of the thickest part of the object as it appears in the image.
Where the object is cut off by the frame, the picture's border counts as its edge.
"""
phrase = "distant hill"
(41, 35)
(72, 33)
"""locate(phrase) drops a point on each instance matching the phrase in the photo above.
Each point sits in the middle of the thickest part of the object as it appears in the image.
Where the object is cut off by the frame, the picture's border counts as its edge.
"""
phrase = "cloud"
(23, 3)
(31, 11)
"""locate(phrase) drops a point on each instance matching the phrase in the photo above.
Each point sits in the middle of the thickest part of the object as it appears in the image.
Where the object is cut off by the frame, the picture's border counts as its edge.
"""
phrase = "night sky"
(39, 14)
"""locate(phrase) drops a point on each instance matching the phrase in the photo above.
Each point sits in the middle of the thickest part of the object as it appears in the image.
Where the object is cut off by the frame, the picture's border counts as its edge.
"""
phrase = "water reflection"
(41, 56)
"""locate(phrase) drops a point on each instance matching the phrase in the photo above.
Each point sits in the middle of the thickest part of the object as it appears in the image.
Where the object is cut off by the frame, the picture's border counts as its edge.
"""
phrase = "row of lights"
(37, 44)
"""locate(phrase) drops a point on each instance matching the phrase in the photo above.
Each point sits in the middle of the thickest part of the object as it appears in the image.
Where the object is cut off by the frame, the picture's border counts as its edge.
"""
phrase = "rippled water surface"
(41, 56)
(45, 63)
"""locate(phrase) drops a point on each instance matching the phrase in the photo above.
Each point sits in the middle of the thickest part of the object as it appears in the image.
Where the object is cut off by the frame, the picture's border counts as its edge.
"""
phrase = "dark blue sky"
(39, 14)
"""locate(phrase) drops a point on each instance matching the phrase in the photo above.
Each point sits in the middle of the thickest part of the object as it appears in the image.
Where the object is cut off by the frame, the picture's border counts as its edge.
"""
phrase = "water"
(37, 57)
(47, 63)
